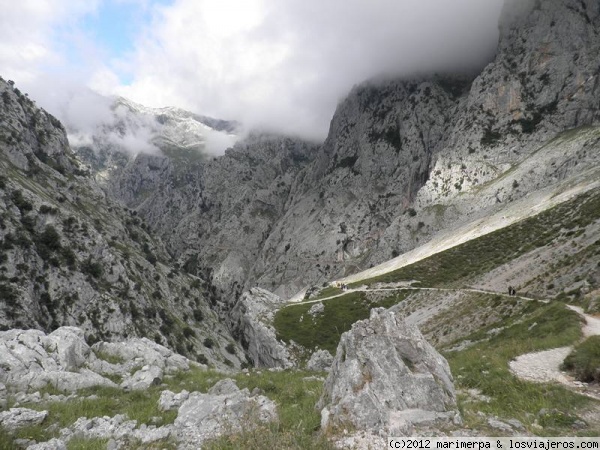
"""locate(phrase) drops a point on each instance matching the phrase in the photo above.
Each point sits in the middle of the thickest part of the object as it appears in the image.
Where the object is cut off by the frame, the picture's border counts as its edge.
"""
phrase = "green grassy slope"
(457, 265)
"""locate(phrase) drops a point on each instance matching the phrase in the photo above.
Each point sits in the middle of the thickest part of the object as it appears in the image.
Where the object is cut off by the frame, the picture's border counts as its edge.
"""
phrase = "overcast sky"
(279, 64)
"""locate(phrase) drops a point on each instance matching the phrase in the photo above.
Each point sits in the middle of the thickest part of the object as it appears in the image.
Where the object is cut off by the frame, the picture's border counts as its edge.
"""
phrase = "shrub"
(45, 209)
(230, 348)
(92, 268)
(188, 332)
(20, 202)
(198, 316)
(490, 137)
(209, 343)
(584, 360)
(8, 293)
(50, 238)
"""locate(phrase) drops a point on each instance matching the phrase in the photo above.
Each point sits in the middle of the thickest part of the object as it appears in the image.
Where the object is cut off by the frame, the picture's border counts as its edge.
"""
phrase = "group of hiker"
(342, 286)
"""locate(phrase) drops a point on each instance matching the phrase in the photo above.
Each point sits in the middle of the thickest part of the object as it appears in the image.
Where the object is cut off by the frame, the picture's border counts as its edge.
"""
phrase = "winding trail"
(410, 288)
(544, 366)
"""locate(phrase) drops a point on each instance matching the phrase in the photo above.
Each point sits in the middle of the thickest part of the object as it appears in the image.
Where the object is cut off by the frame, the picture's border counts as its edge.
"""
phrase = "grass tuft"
(584, 360)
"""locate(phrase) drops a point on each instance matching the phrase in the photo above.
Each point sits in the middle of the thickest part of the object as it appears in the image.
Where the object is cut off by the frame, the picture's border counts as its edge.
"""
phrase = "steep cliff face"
(70, 256)
(377, 156)
(218, 213)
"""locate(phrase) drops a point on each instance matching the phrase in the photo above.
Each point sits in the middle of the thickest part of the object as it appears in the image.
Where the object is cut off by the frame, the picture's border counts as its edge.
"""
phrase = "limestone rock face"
(71, 256)
(169, 400)
(16, 418)
(386, 376)
(250, 320)
(224, 408)
(31, 360)
(144, 378)
(320, 361)
(52, 444)
(146, 351)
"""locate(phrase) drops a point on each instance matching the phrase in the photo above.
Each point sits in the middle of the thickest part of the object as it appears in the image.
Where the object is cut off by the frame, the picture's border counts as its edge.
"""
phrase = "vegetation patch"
(584, 360)
(485, 367)
(299, 422)
(329, 291)
(455, 266)
(294, 323)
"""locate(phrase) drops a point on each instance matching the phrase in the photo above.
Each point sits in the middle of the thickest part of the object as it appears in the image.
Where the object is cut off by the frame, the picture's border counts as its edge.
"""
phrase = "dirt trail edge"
(544, 367)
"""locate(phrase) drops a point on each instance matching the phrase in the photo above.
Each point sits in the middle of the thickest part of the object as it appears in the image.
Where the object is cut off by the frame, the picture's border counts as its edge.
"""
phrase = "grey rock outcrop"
(387, 376)
(316, 309)
(169, 400)
(52, 444)
(225, 408)
(320, 361)
(31, 360)
(117, 428)
(16, 418)
(144, 378)
(250, 322)
(144, 351)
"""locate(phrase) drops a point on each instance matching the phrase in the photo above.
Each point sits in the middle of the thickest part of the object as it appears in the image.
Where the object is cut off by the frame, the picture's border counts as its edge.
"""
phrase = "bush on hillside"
(584, 360)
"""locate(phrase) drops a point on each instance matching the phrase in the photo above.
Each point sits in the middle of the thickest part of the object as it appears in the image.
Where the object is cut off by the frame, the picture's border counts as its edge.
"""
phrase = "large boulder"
(16, 418)
(386, 376)
(144, 378)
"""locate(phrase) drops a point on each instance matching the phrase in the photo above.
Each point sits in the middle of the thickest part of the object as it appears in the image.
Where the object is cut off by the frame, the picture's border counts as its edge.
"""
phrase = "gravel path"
(592, 324)
(541, 367)
(411, 288)
(544, 367)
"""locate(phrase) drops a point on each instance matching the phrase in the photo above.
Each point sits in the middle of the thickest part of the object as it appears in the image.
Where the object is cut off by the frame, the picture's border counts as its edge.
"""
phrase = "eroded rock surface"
(385, 375)
(31, 360)
(320, 361)
(224, 408)
(16, 418)
(250, 320)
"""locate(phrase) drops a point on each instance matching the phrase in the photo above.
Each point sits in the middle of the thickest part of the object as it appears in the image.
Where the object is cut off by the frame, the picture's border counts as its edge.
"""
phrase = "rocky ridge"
(72, 256)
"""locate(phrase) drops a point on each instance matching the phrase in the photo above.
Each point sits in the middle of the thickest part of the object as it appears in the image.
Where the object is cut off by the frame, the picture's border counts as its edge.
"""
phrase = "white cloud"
(30, 35)
(286, 64)
(281, 65)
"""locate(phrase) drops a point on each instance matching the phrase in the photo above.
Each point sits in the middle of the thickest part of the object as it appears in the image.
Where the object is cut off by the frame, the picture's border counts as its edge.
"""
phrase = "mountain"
(467, 206)
(72, 256)
(404, 159)
(129, 129)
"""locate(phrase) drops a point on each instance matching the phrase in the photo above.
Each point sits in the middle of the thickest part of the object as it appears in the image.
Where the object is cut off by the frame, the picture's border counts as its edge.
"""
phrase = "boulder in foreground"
(386, 376)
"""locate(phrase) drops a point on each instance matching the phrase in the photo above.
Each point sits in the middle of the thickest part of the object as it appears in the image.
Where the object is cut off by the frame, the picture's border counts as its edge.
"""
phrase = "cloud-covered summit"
(280, 65)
